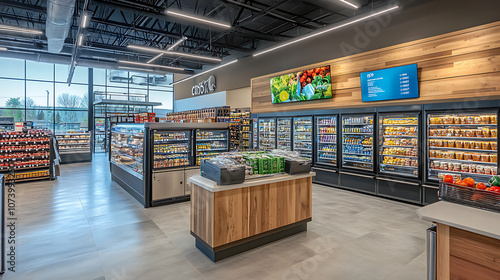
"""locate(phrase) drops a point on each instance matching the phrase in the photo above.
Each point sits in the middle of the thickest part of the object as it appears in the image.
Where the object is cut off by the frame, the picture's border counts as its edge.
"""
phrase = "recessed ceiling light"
(325, 31)
(85, 19)
(198, 19)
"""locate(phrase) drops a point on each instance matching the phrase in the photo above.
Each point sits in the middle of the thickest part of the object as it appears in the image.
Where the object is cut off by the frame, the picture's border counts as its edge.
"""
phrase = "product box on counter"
(294, 167)
(222, 173)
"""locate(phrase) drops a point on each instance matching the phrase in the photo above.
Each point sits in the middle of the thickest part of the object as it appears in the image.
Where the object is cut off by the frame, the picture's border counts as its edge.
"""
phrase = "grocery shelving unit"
(303, 136)
(284, 134)
(74, 146)
(267, 134)
(357, 142)
(26, 156)
(326, 141)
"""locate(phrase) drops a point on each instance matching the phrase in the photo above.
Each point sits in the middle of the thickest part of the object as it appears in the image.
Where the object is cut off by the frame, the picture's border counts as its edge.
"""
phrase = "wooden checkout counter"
(227, 220)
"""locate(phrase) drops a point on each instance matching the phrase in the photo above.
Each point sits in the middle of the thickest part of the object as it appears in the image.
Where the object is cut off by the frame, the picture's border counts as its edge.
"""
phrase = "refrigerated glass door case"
(267, 134)
(127, 148)
(284, 134)
(171, 149)
(399, 144)
(462, 144)
(326, 140)
(255, 134)
(357, 142)
(210, 143)
(303, 136)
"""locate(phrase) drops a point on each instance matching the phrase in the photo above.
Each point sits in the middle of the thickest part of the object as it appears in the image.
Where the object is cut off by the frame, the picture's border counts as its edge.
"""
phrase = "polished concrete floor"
(83, 226)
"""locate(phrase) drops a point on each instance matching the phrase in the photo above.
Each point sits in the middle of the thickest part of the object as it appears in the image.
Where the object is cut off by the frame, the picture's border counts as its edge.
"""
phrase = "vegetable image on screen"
(302, 86)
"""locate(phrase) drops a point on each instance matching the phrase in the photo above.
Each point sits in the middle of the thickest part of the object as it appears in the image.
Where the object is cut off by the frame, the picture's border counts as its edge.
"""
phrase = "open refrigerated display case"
(357, 142)
(399, 144)
(246, 134)
(267, 134)
(326, 140)
(462, 144)
(74, 146)
(303, 136)
(171, 149)
(284, 133)
(127, 148)
(210, 143)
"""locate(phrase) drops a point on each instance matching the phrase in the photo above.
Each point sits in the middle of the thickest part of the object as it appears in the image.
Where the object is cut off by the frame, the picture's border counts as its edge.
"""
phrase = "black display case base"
(173, 200)
(240, 246)
(75, 158)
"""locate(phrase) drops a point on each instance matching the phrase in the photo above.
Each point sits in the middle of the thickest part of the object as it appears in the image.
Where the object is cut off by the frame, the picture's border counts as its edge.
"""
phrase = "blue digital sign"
(389, 84)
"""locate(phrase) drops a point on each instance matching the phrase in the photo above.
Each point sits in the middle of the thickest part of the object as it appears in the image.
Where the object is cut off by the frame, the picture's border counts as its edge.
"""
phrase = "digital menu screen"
(389, 84)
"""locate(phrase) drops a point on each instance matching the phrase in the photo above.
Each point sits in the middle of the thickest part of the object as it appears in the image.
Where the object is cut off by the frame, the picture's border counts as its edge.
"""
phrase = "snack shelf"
(24, 167)
(400, 166)
(23, 150)
(464, 161)
(171, 153)
(172, 141)
(331, 143)
(465, 124)
(385, 124)
(462, 138)
(462, 149)
(357, 133)
(357, 154)
(401, 156)
(461, 172)
(20, 143)
(394, 146)
(23, 158)
(65, 139)
(323, 151)
(356, 161)
(27, 179)
(74, 144)
(400, 136)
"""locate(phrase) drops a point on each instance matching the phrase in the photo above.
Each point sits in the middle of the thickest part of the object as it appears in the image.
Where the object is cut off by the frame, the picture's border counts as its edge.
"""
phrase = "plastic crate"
(293, 167)
(482, 199)
(222, 175)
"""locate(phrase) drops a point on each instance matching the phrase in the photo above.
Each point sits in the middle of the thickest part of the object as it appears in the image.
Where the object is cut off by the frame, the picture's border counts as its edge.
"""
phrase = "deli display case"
(326, 140)
(462, 144)
(210, 143)
(357, 142)
(284, 134)
(303, 136)
(74, 146)
(267, 134)
(399, 144)
(152, 161)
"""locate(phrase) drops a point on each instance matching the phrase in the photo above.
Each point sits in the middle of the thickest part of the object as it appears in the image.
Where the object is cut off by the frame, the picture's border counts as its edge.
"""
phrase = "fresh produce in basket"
(480, 186)
(448, 179)
(495, 181)
(460, 183)
(470, 182)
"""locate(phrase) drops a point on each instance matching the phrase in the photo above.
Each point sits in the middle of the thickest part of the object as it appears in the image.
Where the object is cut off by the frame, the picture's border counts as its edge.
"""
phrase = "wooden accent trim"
(456, 66)
(443, 252)
(202, 218)
(465, 270)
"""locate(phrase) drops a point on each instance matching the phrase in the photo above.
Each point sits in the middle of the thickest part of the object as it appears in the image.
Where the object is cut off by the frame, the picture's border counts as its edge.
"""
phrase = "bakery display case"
(303, 136)
(210, 143)
(267, 134)
(326, 140)
(398, 144)
(462, 145)
(74, 146)
(357, 142)
(26, 156)
(284, 134)
(152, 161)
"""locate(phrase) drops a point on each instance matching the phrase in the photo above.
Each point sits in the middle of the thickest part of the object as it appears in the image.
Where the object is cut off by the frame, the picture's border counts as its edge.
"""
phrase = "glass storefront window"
(12, 93)
(39, 71)
(71, 97)
(12, 68)
(40, 94)
(17, 114)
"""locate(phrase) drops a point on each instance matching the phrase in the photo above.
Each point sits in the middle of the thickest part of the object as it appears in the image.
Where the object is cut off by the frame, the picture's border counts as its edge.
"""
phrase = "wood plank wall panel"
(202, 219)
(452, 67)
(245, 212)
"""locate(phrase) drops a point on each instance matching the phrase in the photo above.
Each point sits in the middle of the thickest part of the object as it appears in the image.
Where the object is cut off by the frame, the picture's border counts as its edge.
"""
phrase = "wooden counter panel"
(202, 217)
(246, 212)
(475, 249)
(465, 270)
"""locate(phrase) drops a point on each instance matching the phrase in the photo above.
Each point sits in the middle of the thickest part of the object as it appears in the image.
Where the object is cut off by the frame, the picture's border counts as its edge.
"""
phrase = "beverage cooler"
(284, 134)
(303, 136)
(399, 162)
(326, 141)
(462, 144)
(153, 161)
(267, 134)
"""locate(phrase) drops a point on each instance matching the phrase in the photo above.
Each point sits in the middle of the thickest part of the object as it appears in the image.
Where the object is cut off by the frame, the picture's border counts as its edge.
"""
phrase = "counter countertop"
(212, 186)
(463, 217)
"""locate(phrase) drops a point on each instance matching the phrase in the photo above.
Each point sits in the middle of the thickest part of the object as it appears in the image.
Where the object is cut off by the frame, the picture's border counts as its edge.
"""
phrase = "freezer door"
(168, 184)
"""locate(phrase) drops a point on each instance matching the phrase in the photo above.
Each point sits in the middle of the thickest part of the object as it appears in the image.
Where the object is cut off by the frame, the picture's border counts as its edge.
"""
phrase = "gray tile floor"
(83, 226)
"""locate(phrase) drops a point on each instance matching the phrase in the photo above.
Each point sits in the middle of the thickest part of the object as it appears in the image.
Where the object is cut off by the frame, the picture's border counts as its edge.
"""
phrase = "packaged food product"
(447, 120)
(485, 145)
(459, 144)
(444, 166)
(470, 119)
(479, 132)
(477, 119)
(458, 132)
(456, 166)
(493, 171)
(485, 119)
(467, 156)
(435, 164)
(476, 157)
(439, 154)
(477, 145)
(445, 143)
(493, 146)
(469, 133)
(486, 132)
(493, 119)
(493, 133)
(456, 120)
(493, 158)
(450, 132)
(432, 120)
(485, 158)
(431, 132)
(472, 168)
(465, 167)
(432, 143)
(467, 145)
(439, 143)
(432, 153)
(463, 119)
(487, 170)
(459, 155)
(480, 169)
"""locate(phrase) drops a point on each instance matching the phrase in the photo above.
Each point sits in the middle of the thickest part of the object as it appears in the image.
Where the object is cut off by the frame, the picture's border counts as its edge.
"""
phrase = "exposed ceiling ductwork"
(58, 23)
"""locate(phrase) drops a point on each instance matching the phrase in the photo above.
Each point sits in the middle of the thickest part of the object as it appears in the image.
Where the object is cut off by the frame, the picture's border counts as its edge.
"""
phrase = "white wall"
(216, 99)
(239, 98)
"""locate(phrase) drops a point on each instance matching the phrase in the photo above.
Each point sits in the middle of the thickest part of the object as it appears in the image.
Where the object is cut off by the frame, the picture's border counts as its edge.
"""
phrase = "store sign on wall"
(206, 86)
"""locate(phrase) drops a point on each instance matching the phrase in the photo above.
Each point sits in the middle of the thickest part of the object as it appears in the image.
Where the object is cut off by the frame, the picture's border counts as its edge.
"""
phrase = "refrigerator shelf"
(357, 161)
(464, 124)
(398, 173)
(208, 150)
(403, 156)
(399, 136)
(334, 143)
(359, 133)
(394, 146)
(462, 149)
(158, 142)
(324, 133)
(366, 146)
(171, 153)
(210, 139)
(399, 124)
(459, 172)
(303, 149)
(331, 125)
(464, 161)
(344, 124)
(321, 151)
(401, 166)
(358, 154)
(359, 168)
(329, 159)
(462, 138)
(303, 132)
